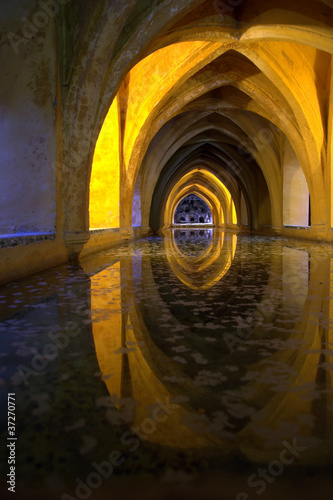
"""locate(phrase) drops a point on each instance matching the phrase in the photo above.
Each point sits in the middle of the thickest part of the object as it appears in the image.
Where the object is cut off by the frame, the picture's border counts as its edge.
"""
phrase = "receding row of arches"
(199, 126)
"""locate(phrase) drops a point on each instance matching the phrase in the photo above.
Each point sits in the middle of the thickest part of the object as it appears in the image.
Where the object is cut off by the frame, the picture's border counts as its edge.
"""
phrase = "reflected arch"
(204, 271)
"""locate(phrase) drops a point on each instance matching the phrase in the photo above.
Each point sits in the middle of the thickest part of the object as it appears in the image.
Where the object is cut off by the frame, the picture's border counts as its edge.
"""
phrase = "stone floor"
(198, 365)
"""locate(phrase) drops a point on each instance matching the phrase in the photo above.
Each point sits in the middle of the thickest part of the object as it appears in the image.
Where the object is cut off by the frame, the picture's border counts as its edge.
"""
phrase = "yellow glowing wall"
(160, 71)
(234, 214)
(104, 184)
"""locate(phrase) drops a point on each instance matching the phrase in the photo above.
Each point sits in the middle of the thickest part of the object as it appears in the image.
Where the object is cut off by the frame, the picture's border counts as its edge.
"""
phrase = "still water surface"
(193, 360)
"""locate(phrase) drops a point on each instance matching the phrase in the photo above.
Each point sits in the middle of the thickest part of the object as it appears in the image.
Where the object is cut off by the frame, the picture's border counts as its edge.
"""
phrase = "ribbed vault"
(224, 88)
(205, 185)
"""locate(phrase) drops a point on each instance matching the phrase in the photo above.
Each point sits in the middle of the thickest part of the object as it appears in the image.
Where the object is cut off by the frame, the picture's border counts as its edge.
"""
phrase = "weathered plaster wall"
(28, 91)
(295, 191)
(136, 208)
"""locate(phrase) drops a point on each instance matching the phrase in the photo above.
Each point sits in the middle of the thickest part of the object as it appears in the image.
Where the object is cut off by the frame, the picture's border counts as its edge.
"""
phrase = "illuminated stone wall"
(295, 191)
(104, 184)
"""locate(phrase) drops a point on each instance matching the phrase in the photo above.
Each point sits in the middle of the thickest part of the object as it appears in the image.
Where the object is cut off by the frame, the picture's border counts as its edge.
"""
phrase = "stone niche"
(193, 210)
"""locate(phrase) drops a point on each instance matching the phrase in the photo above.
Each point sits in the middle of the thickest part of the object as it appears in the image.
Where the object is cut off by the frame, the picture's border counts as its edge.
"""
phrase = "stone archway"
(82, 122)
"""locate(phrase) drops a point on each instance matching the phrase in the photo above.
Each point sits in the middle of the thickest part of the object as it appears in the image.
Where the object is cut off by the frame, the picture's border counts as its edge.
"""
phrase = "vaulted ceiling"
(224, 86)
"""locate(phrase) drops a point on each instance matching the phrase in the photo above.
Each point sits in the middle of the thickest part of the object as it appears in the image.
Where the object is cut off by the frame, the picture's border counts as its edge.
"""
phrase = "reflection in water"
(194, 354)
(197, 267)
(191, 243)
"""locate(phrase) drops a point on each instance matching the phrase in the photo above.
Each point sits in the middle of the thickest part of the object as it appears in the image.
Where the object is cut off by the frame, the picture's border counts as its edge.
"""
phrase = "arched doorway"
(192, 210)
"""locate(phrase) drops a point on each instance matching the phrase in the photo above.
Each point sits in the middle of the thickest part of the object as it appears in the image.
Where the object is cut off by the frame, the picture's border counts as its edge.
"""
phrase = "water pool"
(199, 365)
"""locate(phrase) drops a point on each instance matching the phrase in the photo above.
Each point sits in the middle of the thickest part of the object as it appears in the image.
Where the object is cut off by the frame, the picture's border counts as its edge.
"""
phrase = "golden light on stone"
(104, 184)
(207, 186)
(161, 71)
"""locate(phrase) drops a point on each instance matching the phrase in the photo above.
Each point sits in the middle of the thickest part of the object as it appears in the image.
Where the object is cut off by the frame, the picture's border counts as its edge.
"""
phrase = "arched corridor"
(145, 94)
